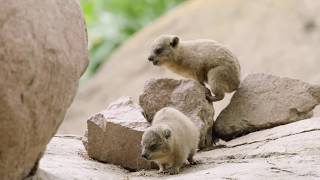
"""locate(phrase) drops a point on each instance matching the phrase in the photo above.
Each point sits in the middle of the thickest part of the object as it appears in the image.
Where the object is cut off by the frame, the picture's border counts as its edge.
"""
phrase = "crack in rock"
(272, 139)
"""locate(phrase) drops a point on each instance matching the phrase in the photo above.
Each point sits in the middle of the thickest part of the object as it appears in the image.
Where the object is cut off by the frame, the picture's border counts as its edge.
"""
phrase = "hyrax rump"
(171, 140)
(203, 60)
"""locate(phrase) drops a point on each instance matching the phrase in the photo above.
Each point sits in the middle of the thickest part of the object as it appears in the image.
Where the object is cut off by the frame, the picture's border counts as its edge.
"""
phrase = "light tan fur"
(203, 60)
(171, 140)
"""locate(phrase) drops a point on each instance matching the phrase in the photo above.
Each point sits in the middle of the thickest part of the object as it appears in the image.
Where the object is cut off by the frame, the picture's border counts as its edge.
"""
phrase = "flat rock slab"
(66, 158)
(285, 152)
(265, 101)
(188, 96)
(114, 135)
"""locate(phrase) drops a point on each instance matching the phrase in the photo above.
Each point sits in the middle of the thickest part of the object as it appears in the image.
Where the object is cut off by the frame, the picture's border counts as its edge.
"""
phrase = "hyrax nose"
(150, 58)
(144, 155)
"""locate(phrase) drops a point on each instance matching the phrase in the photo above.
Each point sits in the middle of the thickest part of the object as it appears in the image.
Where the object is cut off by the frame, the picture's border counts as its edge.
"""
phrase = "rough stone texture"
(285, 152)
(114, 135)
(188, 96)
(315, 92)
(43, 52)
(66, 158)
(265, 101)
(269, 36)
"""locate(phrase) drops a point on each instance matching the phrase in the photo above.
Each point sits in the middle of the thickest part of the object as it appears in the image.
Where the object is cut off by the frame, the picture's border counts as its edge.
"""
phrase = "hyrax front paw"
(193, 162)
(172, 170)
(161, 168)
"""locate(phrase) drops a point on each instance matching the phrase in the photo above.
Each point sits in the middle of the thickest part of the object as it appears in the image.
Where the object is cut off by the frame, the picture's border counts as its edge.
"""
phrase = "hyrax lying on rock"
(203, 60)
(171, 140)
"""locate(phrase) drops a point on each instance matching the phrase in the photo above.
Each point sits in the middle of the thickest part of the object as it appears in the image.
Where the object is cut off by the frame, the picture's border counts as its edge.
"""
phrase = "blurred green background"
(111, 22)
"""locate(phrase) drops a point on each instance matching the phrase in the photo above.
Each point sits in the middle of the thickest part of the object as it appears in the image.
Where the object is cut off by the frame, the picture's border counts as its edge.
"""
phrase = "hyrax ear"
(167, 133)
(174, 42)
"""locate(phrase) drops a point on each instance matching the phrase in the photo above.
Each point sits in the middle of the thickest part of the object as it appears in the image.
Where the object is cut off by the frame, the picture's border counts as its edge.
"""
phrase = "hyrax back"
(171, 140)
(203, 60)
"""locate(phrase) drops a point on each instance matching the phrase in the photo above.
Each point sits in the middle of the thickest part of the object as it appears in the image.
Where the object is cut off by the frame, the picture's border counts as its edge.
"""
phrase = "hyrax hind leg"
(222, 79)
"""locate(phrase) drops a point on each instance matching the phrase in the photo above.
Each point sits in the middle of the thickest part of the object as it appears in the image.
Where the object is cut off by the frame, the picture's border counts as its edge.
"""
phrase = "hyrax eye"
(154, 147)
(158, 51)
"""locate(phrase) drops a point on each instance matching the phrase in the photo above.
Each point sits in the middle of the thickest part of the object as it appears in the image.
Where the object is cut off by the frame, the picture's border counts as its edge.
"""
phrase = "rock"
(43, 52)
(285, 152)
(114, 135)
(188, 96)
(66, 158)
(315, 92)
(268, 36)
(264, 101)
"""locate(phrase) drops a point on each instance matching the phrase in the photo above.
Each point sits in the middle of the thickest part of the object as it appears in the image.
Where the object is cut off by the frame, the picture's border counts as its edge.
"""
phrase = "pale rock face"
(187, 96)
(43, 52)
(285, 152)
(66, 158)
(264, 101)
(114, 135)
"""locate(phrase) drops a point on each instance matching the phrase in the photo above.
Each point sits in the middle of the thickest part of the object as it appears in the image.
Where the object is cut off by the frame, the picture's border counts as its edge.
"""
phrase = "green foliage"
(111, 22)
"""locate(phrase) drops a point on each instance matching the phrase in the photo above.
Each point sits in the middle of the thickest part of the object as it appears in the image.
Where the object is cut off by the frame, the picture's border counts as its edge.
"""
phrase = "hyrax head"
(156, 143)
(163, 49)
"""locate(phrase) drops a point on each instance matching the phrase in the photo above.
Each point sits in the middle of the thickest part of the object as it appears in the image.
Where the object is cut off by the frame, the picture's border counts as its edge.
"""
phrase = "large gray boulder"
(43, 52)
(114, 135)
(264, 101)
(188, 96)
(285, 152)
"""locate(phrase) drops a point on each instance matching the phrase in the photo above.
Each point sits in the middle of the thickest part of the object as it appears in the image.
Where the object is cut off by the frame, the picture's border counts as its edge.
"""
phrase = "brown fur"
(171, 140)
(203, 60)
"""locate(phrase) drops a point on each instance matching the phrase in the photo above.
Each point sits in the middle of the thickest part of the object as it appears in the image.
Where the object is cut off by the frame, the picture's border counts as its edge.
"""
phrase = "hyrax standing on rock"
(203, 60)
(171, 140)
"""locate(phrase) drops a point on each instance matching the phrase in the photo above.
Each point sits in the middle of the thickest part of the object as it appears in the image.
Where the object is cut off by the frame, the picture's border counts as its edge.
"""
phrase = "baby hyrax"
(203, 60)
(171, 140)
